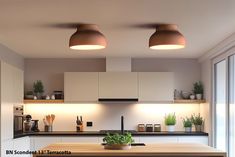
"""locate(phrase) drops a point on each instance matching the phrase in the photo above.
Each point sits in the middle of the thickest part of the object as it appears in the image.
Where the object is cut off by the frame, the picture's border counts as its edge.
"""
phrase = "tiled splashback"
(107, 116)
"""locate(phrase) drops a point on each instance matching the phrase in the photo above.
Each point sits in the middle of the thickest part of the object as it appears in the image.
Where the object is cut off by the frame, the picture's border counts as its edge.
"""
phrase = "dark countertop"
(97, 133)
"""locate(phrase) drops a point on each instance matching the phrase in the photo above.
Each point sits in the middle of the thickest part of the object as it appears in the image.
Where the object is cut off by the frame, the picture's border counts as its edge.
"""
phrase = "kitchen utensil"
(79, 124)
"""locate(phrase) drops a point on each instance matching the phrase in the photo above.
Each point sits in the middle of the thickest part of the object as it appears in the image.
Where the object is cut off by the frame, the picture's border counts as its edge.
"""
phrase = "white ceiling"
(28, 26)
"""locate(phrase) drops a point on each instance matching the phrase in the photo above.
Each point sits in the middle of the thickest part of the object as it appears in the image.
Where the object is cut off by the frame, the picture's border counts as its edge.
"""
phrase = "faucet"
(122, 124)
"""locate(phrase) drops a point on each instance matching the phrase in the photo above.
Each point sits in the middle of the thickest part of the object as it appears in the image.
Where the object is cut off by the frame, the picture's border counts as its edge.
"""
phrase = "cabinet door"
(80, 86)
(22, 144)
(156, 86)
(80, 139)
(165, 139)
(18, 85)
(193, 139)
(118, 85)
(41, 142)
(7, 148)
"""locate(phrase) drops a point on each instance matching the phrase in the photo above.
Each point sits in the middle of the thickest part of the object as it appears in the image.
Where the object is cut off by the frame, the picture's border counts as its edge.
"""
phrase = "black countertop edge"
(97, 133)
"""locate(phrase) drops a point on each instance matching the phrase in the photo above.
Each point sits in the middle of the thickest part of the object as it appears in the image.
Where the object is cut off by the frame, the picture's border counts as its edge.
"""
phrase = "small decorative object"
(185, 95)
(187, 122)
(197, 121)
(58, 94)
(53, 97)
(170, 121)
(47, 97)
(35, 97)
(118, 141)
(29, 95)
(192, 96)
(38, 88)
(198, 90)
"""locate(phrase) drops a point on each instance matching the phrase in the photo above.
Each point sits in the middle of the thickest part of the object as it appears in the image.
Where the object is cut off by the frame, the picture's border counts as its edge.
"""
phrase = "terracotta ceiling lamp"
(166, 37)
(87, 37)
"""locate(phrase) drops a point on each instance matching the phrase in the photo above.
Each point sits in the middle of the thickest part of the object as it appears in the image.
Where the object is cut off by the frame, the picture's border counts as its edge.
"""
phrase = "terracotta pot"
(170, 128)
(118, 146)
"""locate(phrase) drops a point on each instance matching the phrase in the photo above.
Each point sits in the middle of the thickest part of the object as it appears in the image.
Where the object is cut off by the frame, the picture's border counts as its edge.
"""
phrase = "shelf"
(189, 101)
(29, 101)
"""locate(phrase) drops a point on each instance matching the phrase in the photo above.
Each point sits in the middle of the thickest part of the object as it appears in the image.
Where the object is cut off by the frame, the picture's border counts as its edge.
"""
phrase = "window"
(224, 103)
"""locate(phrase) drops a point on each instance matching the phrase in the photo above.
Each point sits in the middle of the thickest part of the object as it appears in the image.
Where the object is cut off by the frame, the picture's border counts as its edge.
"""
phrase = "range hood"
(121, 68)
(118, 99)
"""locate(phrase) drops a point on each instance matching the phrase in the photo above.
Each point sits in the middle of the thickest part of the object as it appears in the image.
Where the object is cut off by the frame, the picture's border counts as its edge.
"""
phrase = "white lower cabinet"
(7, 148)
(193, 139)
(21, 147)
(154, 139)
(80, 139)
(175, 139)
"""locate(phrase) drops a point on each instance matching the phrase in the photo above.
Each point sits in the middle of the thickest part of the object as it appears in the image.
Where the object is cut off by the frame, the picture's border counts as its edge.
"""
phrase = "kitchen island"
(150, 150)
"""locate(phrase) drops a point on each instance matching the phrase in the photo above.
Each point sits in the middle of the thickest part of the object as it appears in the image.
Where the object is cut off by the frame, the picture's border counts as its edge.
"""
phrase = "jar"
(149, 127)
(157, 127)
(141, 127)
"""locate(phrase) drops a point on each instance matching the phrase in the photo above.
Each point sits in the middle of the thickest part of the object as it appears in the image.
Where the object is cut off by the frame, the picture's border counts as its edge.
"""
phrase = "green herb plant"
(197, 119)
(170, 119)
(198, 88)
(187, 122)
(38, 87)
(118, 139)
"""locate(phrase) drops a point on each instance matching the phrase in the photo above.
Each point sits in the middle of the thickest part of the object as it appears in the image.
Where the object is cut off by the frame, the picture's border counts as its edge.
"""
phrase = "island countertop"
(150, 150)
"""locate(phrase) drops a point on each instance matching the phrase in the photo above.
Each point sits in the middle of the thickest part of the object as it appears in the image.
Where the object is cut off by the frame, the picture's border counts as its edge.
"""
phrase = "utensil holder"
(48, 128)
(79, 128)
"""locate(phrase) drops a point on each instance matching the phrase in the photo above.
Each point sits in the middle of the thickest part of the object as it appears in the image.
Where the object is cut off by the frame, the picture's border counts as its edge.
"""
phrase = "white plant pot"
(188, 129)
(192, 97)
(170, 128)
(199, 96)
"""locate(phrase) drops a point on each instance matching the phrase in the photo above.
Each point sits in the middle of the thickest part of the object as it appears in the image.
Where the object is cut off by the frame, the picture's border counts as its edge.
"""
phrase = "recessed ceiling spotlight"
(166, 37)
(87, 37)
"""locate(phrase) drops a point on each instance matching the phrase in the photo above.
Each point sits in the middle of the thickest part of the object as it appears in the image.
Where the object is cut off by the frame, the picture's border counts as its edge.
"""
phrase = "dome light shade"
(166, 37)
(87, 37)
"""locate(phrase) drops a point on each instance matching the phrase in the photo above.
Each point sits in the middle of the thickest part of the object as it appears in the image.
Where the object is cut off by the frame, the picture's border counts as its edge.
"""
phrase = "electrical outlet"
(89, 124)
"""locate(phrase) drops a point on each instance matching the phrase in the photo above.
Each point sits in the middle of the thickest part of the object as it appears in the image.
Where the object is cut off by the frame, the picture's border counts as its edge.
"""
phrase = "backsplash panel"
(107, 116)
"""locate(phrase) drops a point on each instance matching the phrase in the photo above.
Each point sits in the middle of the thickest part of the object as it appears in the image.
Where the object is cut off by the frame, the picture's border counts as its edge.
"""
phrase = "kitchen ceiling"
(37, 29)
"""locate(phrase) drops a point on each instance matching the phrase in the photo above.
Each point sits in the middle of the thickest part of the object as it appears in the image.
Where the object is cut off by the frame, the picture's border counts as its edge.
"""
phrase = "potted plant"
(187, 122)
(38, 88)
(197, 121)
(170, 121)
(198, 90)
(118, 141)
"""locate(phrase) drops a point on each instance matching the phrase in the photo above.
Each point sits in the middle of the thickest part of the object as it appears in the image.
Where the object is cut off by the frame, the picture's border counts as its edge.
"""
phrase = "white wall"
(9, 56)
(186, 71)
(107, 116)
(51, 71)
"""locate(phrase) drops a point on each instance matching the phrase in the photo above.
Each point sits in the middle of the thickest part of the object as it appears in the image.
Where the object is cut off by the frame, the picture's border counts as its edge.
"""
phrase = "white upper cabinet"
(118, 85)
(80, 86)
(156, 86)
